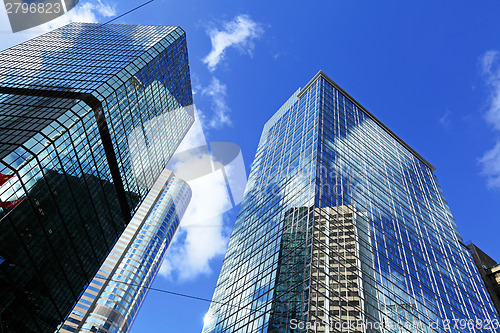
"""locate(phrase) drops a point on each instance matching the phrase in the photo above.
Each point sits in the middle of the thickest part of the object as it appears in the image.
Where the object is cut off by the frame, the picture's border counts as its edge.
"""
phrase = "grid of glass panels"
(343, 229)
(114, 297)
(80, 56)
(54, 241)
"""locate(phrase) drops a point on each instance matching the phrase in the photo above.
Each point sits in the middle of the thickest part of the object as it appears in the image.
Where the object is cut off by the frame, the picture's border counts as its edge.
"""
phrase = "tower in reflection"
(91, 115)
(343, 228)
(334, 267)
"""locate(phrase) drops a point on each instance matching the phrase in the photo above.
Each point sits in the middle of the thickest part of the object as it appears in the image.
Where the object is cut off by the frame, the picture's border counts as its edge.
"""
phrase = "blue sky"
(429, 70)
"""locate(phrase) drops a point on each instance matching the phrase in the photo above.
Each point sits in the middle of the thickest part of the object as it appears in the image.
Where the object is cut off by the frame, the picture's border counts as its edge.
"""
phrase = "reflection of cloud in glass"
(149, 149)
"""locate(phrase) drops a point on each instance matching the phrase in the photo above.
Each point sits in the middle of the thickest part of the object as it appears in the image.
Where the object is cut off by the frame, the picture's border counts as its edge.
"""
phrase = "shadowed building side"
(32, 295)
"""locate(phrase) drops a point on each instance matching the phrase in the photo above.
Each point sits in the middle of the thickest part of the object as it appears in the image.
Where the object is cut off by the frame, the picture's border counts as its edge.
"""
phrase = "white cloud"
(201, 235)
(488, 60)
(85, 11)
(217, 91)
(239, 33)
(491, 70)
(445, 119)
(490, 161)
(198, 240)
(491, 166)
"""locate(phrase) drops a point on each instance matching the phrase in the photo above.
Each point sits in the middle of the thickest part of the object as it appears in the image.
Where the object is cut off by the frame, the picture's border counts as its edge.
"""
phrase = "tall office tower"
(90, 116)
(112, 300)
(343, 228)
(489, 270)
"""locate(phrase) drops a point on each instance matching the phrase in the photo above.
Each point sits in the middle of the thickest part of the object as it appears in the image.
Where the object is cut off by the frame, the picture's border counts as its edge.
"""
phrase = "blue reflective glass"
(342, 222)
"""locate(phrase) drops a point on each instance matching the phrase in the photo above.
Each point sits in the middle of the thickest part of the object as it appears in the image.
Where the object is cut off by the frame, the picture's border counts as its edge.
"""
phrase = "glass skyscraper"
(112, 300)
(90, 114)
(344, 228)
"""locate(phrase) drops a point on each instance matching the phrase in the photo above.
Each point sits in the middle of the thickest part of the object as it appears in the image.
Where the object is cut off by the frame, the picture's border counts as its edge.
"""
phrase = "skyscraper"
(112, 300)
(91, 114)
(343, 228)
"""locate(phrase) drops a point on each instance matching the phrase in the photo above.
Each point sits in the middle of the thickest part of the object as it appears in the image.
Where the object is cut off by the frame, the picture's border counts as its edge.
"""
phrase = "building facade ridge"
(322, 74)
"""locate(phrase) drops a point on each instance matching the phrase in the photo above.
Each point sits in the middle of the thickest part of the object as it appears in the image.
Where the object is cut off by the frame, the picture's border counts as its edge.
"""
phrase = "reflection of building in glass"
(292, 268)
(336, 240)
(342, 221)
(70, 101)
(92, 242)
(340, 239)
(114, 297)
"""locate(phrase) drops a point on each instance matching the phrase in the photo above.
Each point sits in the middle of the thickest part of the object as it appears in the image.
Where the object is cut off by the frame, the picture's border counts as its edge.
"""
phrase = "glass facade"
(113, 298)
(344, 228)
(90, 115)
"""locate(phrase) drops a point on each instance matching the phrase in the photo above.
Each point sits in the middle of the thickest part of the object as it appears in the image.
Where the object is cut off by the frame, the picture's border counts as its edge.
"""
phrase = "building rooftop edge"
(370, 115)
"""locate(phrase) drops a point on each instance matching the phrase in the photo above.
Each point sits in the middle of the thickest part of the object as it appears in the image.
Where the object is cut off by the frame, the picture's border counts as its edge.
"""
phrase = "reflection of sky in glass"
(91, 53)
(149, 149)
(114, 63)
